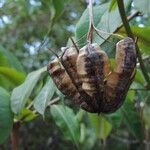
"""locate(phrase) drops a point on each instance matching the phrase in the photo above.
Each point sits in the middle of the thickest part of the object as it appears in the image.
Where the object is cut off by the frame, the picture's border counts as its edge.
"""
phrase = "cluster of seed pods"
(85, 77)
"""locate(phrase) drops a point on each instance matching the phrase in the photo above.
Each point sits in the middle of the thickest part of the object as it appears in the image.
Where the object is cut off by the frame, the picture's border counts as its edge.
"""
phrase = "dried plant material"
(84, 75)
(121, 78)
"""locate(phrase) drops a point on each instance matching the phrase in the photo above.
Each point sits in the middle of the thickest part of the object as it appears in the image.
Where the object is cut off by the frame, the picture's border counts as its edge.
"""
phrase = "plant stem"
(14, 136)
(134, 14)
(91, 22)
(130, 34)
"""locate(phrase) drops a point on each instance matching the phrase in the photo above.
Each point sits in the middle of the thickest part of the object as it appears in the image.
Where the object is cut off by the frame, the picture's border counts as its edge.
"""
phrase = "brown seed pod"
(84, 76)
(66, 79)
(120, 79)
(69, 62)
(61, 78)
(92, 67)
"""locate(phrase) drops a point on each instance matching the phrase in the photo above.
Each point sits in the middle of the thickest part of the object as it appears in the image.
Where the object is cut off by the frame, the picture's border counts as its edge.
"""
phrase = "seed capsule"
(120, 79)
(92, 67)
(64, 82)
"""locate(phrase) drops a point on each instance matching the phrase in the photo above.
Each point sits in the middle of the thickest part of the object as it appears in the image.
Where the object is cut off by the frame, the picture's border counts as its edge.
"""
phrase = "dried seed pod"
(120, 79)
(61, 78)
(92, 67)
(84, 76)
(65, 83)
(69, 62)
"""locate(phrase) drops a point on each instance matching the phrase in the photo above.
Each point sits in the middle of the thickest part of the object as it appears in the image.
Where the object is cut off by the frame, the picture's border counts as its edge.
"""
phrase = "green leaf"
(83, 24)
(131, 117)
(101, 126)
(104, 20)
(66, 121)
(21, 93)
(115, 118)
(139, 77)
(13, 61)
(12, 75)
(143, 6)
(82, 133)
(45, 95)
(26, 115)
(59, 7)
(6, 116)
(113, 5)
(143, 38)
(5, 83)
(3, 60)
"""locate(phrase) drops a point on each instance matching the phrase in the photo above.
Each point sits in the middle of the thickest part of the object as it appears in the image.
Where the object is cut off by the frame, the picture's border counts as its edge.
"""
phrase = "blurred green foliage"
(28, 28)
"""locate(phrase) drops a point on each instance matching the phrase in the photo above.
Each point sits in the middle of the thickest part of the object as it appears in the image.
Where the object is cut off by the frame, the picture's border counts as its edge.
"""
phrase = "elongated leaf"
(13, 75)
(6, 116)
(101, 126)
(113, 5)
(45, 95)
(5, 83)
(21, 93)
(3, 60)
(131, 116)
(13, 61)
(66, 121)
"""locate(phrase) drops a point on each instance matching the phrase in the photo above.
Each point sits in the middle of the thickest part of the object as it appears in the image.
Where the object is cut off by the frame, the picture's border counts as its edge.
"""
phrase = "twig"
(14, 136)
(91, 22)
(130, 34)
(136, 13)
(54, 101)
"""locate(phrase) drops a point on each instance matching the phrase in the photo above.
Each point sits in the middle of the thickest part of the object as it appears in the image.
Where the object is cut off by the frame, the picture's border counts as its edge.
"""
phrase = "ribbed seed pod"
(69, 62)
(84, 76)
(61, 78)
(92, 66)
(65, 84)
(119, 81)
